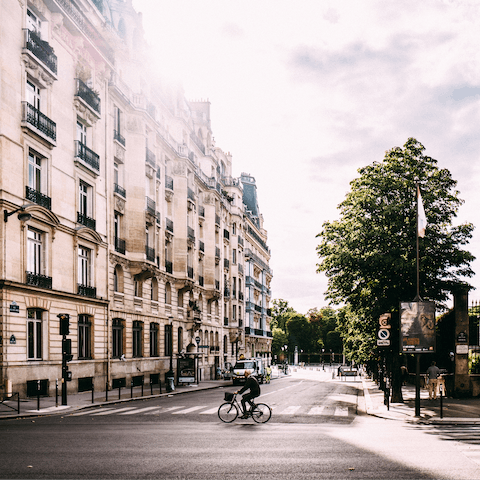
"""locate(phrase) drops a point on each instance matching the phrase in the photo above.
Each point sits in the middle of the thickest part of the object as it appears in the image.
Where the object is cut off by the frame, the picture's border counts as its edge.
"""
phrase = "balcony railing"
(41, 49)
(37, 119)
(169, 225)
(150, 253)
(118, 137)
(150, 157)
(88, 95)
(168, 182)
(86, 155)
(86, 221)
(37, 280)
(37, 197)
(150, 207)
(87, 291)
(120, 245)
(168, 266)
(190, 272)
(120, 190)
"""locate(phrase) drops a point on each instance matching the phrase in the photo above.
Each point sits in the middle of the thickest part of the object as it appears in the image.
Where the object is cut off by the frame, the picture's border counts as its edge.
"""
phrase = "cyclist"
(252, 384)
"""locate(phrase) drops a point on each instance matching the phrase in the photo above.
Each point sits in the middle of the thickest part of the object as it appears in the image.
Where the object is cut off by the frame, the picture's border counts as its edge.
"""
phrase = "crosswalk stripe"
(341, 412)
(141, 410)
(189, 410)
(290, 410)
(87, 412)
(210, 412)
(115, 411)
(316, 410)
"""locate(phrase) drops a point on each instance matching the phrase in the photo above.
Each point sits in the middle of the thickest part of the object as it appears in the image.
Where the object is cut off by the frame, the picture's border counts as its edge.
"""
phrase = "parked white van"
(255, 365)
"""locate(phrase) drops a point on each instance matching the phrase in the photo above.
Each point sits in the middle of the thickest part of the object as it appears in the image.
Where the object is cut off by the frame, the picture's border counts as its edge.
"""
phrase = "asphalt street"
(318, 430)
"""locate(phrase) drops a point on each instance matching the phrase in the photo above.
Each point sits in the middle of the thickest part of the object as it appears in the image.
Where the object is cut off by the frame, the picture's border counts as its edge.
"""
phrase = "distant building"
(119, 211)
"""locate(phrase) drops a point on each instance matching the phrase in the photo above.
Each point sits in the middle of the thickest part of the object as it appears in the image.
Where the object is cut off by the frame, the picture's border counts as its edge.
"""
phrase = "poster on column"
(417, 327)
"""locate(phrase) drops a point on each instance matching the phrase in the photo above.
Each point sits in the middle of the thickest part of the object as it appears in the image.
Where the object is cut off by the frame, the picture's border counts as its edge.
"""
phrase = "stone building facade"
(119, 210)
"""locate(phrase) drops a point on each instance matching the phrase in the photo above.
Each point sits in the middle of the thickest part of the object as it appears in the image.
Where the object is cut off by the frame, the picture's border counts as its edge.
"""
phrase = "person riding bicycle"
(252, 384)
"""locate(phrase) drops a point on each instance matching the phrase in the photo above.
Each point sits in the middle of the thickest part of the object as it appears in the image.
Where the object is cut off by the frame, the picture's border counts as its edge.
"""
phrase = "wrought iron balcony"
(41, 49)
(88, 95)
(151, 207)
(34, 117)
(37, 280)
(37, 197)
(120, 245)
(120, 190)
(118, 137)
(87, 291)
(86, 221)
(89, 157)
(150, 253)
(168, 266)
(150, 157)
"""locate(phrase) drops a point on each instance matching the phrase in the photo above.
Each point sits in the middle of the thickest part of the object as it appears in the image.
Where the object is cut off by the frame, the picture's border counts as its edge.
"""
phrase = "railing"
(120, 190)
(169, 225)
(37, 197)
(87, 155)
(168, 182)
(190, 272)
(86, 221)
(118, 137)
(120, 245)
(88, 95)
(191, 233)
(41, 49)
(87, 291)
(37, 280)
(150, 253)
(168, 266)
(150, 206)
(150, 157)
(37, 119)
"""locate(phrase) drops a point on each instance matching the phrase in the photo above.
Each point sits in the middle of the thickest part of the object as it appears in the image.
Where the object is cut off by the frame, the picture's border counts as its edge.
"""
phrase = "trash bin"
(170, 381)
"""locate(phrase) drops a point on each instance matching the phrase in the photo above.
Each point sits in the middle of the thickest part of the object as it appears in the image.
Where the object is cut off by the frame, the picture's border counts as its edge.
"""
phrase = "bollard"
(142, 388)
(56, 392)
(131, 389)
(93, 393)
(106, 392)
(441, 401)
(38, 394)
(151, 387)
(119, 391)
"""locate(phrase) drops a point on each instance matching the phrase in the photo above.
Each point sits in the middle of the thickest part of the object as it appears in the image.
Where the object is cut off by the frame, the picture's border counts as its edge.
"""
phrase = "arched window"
(117, 338)
(168, 294)
(118, 279)
(154, 291)
(180, 299)
(225, 345)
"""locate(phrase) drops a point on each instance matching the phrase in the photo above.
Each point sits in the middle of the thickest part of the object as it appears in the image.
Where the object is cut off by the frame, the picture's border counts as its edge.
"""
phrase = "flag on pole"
(422, 219)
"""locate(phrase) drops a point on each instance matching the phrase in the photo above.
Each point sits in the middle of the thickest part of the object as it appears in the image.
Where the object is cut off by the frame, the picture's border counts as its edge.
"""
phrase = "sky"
(304, 93)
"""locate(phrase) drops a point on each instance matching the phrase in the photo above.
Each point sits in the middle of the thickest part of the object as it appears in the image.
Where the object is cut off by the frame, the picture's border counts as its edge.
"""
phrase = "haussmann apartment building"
(119, 212)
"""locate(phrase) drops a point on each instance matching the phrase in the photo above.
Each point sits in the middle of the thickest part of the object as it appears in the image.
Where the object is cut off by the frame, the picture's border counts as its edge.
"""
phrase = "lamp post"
(170, 375)
(23, 216)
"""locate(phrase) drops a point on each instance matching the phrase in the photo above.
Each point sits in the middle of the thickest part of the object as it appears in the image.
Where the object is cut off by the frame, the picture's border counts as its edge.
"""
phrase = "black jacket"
(252, 384)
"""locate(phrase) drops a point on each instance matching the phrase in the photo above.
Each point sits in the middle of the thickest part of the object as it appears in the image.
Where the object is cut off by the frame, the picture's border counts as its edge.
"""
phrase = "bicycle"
(229, 411)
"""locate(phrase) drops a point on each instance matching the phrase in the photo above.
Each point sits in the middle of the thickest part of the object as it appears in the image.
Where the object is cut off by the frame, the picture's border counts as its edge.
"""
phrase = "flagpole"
(417, 298)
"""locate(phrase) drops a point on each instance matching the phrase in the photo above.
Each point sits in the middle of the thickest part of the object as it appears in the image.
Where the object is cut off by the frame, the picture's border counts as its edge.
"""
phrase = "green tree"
(369, 254)
(299, 331)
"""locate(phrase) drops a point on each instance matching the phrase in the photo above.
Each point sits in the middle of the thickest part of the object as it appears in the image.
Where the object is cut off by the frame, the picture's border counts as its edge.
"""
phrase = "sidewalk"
(453, 411)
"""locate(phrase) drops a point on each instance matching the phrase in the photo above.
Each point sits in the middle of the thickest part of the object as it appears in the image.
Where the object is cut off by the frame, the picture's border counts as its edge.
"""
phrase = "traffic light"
(64, 323)
(67, 350)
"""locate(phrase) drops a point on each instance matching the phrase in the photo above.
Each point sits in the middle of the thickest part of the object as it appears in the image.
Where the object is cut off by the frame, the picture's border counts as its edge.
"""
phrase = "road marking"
(210, 412)
(140, 410)
(164, 410)
(189, 410)
(316, 410)
(289, 410)
(87, 412)
(114, 412)
(341, 412)
(276, 391)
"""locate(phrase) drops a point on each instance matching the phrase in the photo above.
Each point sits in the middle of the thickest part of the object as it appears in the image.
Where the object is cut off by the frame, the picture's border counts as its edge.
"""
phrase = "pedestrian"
(269, 374)
(432, 375)
(404, 371)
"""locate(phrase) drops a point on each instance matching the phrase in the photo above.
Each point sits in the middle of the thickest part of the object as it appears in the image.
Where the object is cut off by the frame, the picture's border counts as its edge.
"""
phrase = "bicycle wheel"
(262, 413)
(227, 412)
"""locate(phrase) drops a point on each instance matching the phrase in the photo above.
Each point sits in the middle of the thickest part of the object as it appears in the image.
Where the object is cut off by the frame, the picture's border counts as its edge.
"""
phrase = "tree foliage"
(369, 254)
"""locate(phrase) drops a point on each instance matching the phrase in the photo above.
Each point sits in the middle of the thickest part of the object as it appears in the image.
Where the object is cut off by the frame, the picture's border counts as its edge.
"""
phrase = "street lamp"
(170, 375)
(23, 216)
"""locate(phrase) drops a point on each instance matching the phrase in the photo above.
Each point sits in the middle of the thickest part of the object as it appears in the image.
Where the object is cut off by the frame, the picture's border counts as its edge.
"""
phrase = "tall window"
(154, 290)
(34, 333)
(81, 133)
(168, 294)
(84, 199)
(35, 256)
(84, 337)
(234, 256)
(168, 340)
(117, 338)
(37, 173)
(33, 95)
(154, 339)
(84, 266)
(137, 339)
(33, 22)
(180, 339)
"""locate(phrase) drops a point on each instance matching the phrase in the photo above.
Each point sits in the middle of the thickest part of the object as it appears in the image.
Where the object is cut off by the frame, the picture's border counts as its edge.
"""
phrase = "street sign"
(383, 343)
(383, 334)
(203, 346)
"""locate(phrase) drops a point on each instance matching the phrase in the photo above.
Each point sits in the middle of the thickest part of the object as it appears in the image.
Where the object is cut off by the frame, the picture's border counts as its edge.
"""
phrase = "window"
(118, 126)
(81, 133)
(138, 288)
(33, 22)
(180, 339)
(35, 258)
(154, 290)
(34, 333)
(36, 172)
(33, 95)
(84, 199)
(168, 340)
(225, 345)
(234, 256)
(168, 294)
(117, 338)
(137, 339)
(154, 339)
(84, 337)
(118, 279)
(84, 266)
